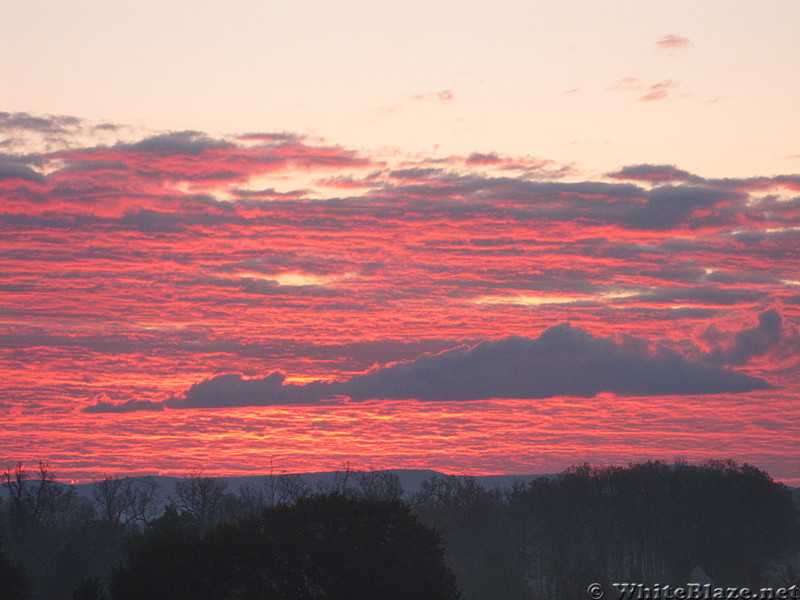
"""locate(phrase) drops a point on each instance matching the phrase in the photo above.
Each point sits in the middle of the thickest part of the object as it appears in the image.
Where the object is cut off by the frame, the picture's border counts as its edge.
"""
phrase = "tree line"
(646, 523)
(360, 536)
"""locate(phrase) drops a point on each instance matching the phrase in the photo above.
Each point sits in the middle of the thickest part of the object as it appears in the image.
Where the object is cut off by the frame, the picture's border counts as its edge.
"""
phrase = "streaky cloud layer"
(167, 270)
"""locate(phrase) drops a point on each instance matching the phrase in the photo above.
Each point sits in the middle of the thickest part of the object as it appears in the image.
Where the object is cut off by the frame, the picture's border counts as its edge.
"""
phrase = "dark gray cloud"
(273, 138)
(155, 221)
(48, 124)
(669, 206)
(411, 193)
(12, 170)
(267, 287)
(416, 173)
(232, 390)
(771, 334)
(480, 158)
(654, 174)
(79, 165)
(272, 260)
(104, 406)
(414, 193)
(563, 361)
(698, 294)
(625, 204)
(253, 197)
(178, 142)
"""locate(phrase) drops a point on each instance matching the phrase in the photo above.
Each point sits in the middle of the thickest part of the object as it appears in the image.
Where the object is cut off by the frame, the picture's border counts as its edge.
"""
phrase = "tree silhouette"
(166, 562)
(479, 534)
(89, 588)
(13, 582)
(325, 546)
(203, 497)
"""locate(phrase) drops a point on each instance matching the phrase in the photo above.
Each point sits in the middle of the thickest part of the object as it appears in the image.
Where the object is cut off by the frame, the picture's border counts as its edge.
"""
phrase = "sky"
(284, 237)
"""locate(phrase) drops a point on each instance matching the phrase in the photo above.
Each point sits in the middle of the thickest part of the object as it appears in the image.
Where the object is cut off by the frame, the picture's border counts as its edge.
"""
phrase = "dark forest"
(362, 536)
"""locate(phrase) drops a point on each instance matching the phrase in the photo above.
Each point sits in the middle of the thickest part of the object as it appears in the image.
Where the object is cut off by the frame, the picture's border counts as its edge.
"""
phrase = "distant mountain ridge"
(410, 480)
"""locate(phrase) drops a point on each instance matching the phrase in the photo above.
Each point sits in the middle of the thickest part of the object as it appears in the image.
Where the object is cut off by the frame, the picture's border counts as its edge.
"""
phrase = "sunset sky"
(472, 237)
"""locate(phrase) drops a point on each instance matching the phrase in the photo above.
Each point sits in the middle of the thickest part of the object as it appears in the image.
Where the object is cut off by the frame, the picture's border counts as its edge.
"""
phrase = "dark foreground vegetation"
(357, 538)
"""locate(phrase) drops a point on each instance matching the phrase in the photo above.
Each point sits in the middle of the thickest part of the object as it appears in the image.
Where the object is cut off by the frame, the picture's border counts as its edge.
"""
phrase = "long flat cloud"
(563, 361)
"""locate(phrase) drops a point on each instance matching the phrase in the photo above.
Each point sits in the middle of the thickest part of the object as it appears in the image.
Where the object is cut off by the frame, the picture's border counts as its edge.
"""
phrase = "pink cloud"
(440, 96)
(654, 96)
(653, 92)
(658, 91)
(671, 41)
(626, 84)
